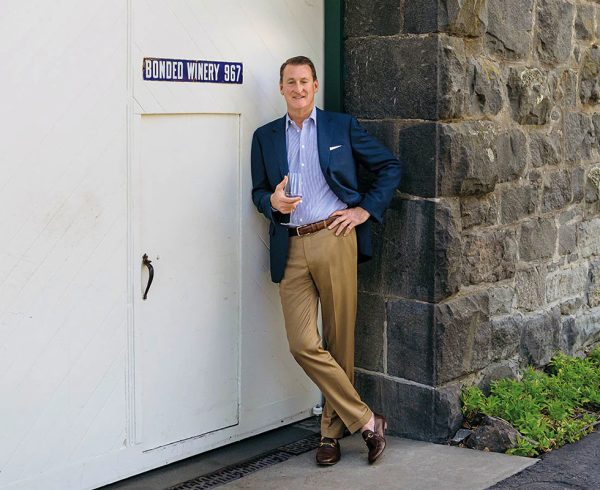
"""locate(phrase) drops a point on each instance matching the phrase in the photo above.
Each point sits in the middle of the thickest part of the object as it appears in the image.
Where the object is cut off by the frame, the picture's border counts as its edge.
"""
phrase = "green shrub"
(549, 408)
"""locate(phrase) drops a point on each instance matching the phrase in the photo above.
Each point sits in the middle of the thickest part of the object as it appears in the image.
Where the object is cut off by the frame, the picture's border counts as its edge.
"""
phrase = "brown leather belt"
(312, 228)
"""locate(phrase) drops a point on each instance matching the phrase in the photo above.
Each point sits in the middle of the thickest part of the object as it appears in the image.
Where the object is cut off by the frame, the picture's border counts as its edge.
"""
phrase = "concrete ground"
(269, 461)
(406, 464)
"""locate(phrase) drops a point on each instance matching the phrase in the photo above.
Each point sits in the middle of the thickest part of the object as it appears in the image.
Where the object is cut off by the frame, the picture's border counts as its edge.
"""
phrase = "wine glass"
(293, 188)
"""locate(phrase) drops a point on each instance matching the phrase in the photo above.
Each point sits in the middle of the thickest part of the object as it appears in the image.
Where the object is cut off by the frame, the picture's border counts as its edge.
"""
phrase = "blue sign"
(168, 70)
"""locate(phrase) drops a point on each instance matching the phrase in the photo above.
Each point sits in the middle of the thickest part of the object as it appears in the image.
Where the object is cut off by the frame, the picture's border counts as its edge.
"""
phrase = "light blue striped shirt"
(318, 200)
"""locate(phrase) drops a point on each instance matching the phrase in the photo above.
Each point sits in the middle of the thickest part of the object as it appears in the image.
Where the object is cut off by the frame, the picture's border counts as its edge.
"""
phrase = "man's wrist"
(364, 211)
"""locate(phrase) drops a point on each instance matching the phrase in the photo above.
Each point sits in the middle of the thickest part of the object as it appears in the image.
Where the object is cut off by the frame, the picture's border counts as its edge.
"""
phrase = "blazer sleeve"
(261, 187)
(376, 157)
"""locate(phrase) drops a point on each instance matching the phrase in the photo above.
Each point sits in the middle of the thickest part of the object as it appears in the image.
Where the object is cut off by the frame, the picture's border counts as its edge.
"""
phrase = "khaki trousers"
(322, 266)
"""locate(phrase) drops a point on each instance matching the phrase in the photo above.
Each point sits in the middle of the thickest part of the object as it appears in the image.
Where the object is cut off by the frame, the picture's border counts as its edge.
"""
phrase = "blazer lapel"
(323, 139)
(280, 146)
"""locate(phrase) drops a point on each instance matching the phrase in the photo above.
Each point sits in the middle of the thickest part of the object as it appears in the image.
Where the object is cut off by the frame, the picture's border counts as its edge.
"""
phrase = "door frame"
(334, 56)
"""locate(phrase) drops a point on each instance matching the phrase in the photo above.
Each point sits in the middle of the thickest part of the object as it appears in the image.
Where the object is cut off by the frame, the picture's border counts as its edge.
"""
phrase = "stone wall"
(489, 258)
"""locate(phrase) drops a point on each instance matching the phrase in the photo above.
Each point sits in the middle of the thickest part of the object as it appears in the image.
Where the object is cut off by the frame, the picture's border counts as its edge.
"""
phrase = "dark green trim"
(334, 55)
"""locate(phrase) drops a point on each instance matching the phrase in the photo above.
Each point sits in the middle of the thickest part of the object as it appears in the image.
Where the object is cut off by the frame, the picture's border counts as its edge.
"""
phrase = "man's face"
(298, 87)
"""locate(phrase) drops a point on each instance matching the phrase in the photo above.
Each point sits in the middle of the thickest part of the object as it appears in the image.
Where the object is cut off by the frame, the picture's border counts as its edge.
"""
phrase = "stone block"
(557, 190)
(511, 155)
(530, 95)
(460, 159)
(458, 17)
(554, 34)
(463, 18)
(489, 256)
(588, 233)
(501, 300)
(477, 211)
(505, 337)
(553, 266)
(448, 248)
(568, 335)
(567, 93)
(408, 407)
(589, 76)
(387, 131)
(570, 216)
(369, 335)
(410, 340)
(536, 180)
(462, 336)
(418, 151)
(579, 183)
(509, 30)
(566, 283)
(584, 22)
(517, 202)
(531, 287)
(540, 337)
(421, 250)
(591, 186)
(579, 137)
(538, 239)
(386, 77)
(570, 306)
(494, 372)
(468, 163)
(421, 17)
(580, 332)
(545, 149)
(593, 290)
(374, 18)
(452, 89)
(596, 124)
(484, 80)
(567, 239)
(447, 411)
(586, 330)
(408, 250)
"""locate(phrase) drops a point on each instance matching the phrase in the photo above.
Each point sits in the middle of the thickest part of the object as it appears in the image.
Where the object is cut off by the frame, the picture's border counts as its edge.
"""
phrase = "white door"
(186, 207)
(212, 320)
(101, 167)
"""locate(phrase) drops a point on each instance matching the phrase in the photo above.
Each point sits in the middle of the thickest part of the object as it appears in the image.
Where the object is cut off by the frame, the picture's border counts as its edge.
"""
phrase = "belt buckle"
(304, 234)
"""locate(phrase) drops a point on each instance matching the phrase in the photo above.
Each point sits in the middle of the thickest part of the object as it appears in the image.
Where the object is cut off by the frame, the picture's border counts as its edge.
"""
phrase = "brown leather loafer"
(376, 440)
(328, 452)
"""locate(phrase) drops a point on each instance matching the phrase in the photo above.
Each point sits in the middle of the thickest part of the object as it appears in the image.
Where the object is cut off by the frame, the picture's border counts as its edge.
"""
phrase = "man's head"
(298, 84)
(298, 60)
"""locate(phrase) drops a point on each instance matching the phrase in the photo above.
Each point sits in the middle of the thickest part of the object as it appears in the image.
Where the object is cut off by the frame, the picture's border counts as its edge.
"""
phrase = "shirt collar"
(313, 116)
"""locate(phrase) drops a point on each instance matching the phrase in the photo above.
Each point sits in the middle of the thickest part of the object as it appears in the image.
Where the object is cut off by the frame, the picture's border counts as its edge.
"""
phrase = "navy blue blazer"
(339, 166)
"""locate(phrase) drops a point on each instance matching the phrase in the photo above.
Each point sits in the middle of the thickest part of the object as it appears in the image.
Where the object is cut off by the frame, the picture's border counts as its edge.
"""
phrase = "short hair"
(298, 60)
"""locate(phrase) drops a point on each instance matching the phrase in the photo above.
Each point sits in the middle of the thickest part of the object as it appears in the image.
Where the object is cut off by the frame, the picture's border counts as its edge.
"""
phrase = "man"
(318, 237)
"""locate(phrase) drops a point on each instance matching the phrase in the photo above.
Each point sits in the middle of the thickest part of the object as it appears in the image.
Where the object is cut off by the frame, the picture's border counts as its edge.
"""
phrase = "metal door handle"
(148, 263)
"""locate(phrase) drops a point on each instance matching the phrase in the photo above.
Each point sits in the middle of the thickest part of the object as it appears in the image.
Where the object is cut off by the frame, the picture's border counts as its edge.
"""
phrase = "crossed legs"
(322, 267)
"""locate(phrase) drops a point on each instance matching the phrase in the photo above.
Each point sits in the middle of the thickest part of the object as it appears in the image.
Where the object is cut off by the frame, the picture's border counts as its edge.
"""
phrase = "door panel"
(187, 207)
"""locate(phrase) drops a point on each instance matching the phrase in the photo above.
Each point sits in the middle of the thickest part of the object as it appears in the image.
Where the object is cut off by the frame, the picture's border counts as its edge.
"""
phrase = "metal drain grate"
(302, 446)
(234, 472)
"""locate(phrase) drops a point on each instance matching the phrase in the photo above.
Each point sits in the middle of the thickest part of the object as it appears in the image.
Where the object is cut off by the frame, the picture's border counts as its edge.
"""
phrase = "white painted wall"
(73, 97)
